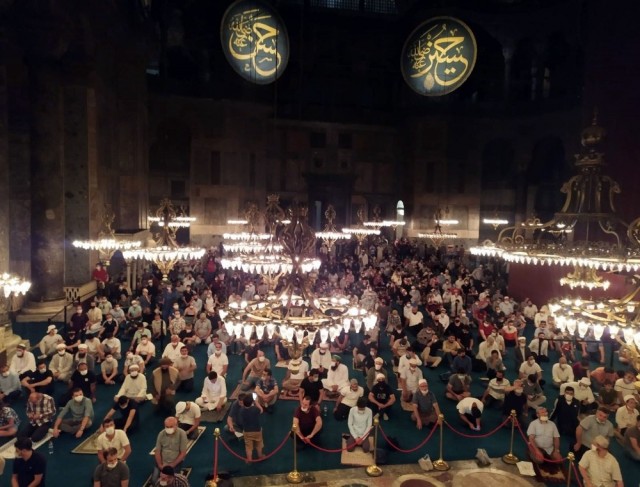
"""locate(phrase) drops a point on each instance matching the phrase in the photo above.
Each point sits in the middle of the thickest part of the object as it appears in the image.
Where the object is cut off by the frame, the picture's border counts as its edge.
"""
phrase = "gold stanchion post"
(294, 477)
(214, 481)
(440, 464)
(374, 470)
(510, 458)
(571, 457)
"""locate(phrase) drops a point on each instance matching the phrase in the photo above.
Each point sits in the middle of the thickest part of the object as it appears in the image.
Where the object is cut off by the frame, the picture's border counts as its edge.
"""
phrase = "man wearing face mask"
(253, 371)
(39, 381)
(598, 467)
(544, 438)
(348, 398)
(169, 478)
(23, 361)
(321, 360)
(82, 356)
(359, 421)
(171, 447)
(583, 394)
(373, 372)
(597, 424)
(112, 438)
(40, 412)
(565, 414)
(172, 350)
(218, 360)
(307, 421)
(494, 395)
(425, 405)
(84, 380)
(134, 386)
(146, 349)
(9, 385)
(126, 414)
(78, 321)
(48, 343)
(381, 397)
(311, 387)
(80, 410)
(561, 372)
(112, 472)
(337, 377)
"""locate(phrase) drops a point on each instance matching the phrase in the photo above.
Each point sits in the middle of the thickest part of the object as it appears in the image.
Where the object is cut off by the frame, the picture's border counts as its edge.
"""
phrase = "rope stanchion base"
(440, 465)
(510, 459)
(294, 477)
(374, 471)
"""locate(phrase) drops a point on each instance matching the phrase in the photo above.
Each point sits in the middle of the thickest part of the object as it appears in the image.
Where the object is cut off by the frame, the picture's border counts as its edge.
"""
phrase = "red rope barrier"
(575, 474)
(486, 435)
(433, 430)
(261, 459)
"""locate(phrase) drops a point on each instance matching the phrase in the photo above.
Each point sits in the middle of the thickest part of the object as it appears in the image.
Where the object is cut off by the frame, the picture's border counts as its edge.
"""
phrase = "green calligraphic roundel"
(438, 56)
(255, 41)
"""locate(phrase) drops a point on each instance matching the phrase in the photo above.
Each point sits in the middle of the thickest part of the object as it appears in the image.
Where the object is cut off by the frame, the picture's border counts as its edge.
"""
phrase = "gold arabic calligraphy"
(255, 40)
(438, 56)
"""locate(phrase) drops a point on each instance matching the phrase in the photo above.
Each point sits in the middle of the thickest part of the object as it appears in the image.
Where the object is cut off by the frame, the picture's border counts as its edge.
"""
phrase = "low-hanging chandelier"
(586, 233)
(360, 231)
(295, 313)
(330, 234)
(165, 253)
(437, 236)
(12, 284)
(107, 243)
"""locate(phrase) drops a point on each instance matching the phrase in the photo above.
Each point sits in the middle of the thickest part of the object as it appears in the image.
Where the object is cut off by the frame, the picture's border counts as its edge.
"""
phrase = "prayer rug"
(8, 450)
(190, 443)
(406, 406)
(549, 473)
(186, 471)
(357, 457)
(215, 416)
(88, 446)
(285, 396)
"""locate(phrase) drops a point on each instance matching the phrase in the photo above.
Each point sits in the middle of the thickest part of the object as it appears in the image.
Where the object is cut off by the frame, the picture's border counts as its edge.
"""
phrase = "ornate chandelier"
(166, 253)
(360, 231)
(437, 236)
(330, 235)
(12, 284)
(378, 223)
(586, 233)
(107, 243)
(295, 313)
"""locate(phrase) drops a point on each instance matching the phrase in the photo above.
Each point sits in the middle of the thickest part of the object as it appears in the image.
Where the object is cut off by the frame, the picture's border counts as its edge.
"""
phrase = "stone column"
(47, 205)
(507, 53)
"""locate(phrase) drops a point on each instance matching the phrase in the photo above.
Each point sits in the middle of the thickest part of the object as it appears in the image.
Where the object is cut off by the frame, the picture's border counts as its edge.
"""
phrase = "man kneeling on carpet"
(214, 392)
(360, 421)
(544, 438)
(189, 416)
(169, 478)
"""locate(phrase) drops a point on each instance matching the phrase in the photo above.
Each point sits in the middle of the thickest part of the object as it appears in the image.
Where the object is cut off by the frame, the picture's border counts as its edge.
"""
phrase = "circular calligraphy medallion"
(438, 56)
(255, 41)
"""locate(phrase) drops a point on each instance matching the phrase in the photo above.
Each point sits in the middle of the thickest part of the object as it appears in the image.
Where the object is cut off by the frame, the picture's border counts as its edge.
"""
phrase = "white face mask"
(110, 430)
(377, 366)
(133, 373)
(5, 374)
(42, 370)
(61, 352)
(544, 419)
(112, 465)
(261, 359)
(169, 431)
(78, 398)
(163, 483)
(83, 372)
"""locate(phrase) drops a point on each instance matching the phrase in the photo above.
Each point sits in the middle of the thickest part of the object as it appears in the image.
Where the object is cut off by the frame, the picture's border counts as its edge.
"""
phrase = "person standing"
(598, 467)
(251, 427)
(171, 447)
(29, 467)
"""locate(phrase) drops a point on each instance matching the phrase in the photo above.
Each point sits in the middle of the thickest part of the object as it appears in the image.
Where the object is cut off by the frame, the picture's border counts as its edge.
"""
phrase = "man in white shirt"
(470, 412)
(218, 361)
(494, 395)
(529, 311)
(23, 361)
(415, 320)
(172, 350)
(296, 372)
(561, 372)
(49, 342)
(626, 386)
(486, 347)
(321, 359)
(189, 415)
(61, 364)
(112, 344)
(405, 358)
(540, 347)
(598, 467)
(113, 438)
(530, 367)
(337, 376)
(582, 393)
(348, 398)
(409, 380)
(134, 386)
(214, 393)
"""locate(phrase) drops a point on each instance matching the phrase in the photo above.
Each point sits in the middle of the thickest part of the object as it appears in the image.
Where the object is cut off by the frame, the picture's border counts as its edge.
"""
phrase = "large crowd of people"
(437, 310)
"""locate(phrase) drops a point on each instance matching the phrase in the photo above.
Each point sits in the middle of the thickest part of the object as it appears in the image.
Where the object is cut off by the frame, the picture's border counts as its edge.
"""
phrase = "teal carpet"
(63, 464)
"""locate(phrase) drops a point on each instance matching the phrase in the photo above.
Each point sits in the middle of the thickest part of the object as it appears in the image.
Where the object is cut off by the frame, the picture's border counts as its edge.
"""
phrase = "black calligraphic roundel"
(255, 41)
(438, 56)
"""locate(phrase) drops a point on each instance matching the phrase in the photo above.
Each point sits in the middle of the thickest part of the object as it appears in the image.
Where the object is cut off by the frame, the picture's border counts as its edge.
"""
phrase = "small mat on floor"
(357, 457)
(190, 443)
(215, 416)
(8, 450)
(549, 473)
(186, 471)
(89, 446)
(406, 406)
(284, 396)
